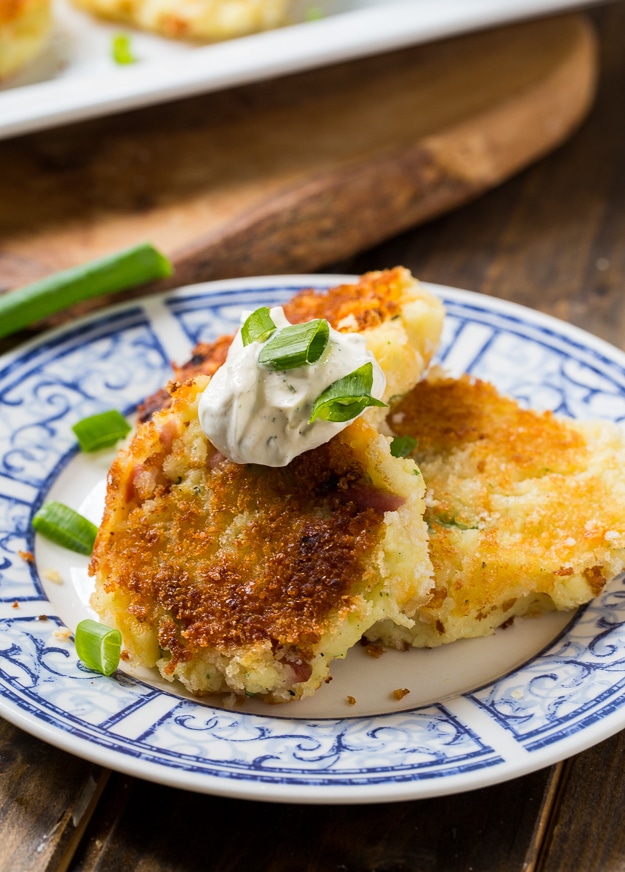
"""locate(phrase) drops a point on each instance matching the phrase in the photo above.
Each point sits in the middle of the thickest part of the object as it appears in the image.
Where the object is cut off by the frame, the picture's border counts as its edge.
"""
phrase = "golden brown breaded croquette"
(526, 510)
(250, 579)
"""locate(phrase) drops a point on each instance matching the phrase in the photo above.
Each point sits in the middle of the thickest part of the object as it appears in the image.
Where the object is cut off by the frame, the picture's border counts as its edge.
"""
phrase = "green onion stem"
(295, 345)
(66, 527)
(347, 397)
(101, 430)
(98, 646)
(106, 275)
(122, 50)
(258, 326)
(402, 446)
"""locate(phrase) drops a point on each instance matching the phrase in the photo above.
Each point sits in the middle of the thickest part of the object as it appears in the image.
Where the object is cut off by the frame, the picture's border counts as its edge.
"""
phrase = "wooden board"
(293, 174)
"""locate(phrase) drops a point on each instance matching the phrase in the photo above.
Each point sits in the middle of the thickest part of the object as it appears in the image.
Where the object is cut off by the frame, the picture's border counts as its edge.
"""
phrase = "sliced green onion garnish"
(66, 527)
(450, 522)
(347, 397)
(313, 13)
(258, 326)
(101, 431)
(98, 646)
(107, 275)
(402, 446)
(295, 345)
(122, 50)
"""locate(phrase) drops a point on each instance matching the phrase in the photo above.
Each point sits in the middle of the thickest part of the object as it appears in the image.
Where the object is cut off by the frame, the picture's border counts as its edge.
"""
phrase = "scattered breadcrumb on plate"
(53, 575)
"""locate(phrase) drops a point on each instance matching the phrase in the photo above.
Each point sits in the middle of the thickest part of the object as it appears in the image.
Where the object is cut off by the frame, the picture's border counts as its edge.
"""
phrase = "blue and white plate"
(478, 711)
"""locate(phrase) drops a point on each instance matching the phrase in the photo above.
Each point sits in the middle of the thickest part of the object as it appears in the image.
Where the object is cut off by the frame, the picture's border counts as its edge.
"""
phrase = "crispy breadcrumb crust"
(526, 510)
(243, 578)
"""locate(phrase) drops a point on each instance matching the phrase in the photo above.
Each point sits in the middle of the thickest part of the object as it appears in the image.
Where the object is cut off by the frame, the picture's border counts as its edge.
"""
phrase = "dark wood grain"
(210, 833)
(281, 176)
(586, 828)
(552, 237)
(46, 800)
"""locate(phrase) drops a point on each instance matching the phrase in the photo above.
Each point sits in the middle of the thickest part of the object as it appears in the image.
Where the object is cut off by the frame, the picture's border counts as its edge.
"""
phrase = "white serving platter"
(76, 78)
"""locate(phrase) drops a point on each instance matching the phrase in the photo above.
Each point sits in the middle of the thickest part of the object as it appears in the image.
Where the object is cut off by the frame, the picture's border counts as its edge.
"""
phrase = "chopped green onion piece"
(450, 522)
(347, 397)
(66, 527)
(101, 430)
(98, 646)
(106, 275)
(313, 13)
(258, 326)
(122, 50)
(402, 446)
(295, 345)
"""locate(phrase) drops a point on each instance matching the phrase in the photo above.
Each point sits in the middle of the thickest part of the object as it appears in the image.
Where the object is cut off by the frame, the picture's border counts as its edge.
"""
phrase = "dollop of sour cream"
(254, 414)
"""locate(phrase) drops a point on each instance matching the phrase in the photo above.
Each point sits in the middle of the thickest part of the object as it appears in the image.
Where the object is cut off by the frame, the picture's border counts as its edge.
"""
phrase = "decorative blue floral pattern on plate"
(564, 699)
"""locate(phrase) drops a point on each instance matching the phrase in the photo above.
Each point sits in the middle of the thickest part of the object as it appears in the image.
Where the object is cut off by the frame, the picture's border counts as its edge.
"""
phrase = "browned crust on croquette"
(447, 414)
(13, 10)
(521, 506)
(375, 298)
(301, 559)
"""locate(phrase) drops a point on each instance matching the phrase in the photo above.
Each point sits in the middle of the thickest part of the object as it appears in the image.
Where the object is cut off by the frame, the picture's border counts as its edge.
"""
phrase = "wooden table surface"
(552, 238)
